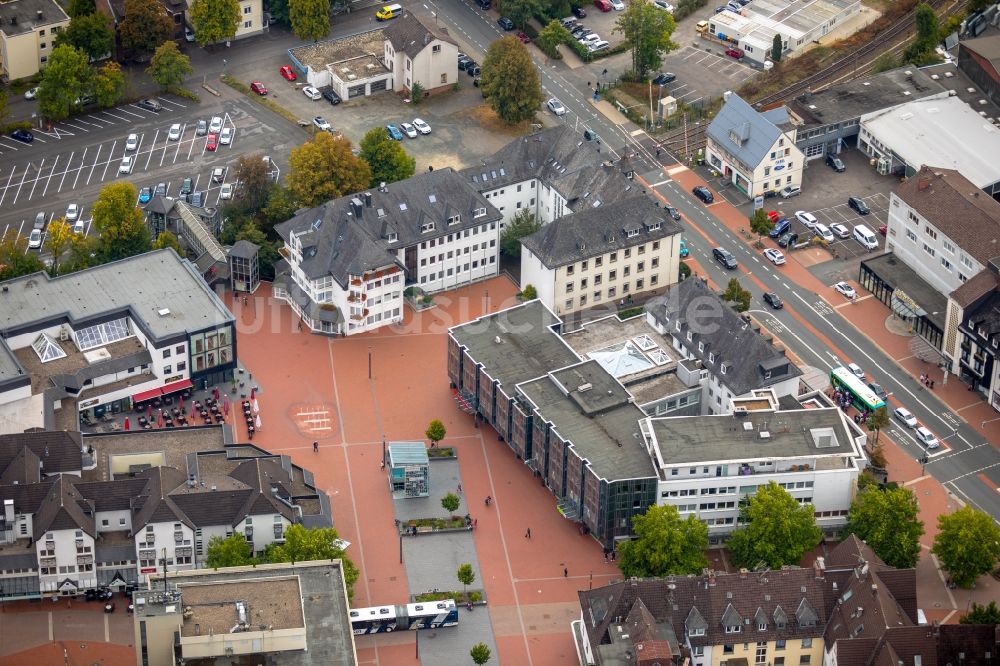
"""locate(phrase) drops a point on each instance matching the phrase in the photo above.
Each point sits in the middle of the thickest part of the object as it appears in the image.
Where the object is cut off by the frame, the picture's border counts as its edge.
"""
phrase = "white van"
(865, 236)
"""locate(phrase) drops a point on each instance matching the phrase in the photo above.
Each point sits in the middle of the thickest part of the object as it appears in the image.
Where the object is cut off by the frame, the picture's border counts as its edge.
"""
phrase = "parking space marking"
(18, 193)
(34, 183)
(94, 165)
(122, 118)
(111, 157)
(6, 187)
(131, 113)
(49, 179)
(82, 129)
(172, 102)
(150, 156)
(69, 163)
(12, 146)
(79, 169)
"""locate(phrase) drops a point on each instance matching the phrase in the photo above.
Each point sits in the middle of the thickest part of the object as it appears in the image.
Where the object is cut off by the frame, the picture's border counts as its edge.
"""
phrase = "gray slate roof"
(59, 451)
(409, 34)
(725, 334)
(742, 131)
(25, 15)
(243, 249)
(596, 231)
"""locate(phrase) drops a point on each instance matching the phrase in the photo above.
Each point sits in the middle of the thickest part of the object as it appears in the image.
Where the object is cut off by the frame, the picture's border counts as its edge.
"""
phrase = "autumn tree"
(64, 80)
(83, 253)
(15, 259)
(253, 185)
(144, 27)
(435, 432)
(310, 19)
(58, 236)
(120, 225)
(522, 225)
(967, 544)
(776, 531)
(388, 160)
(647, 32)
(324, 168)
(232, 551)
(91, 33)
(510, 81)
(214, 21)
(167, 239)
(303, 544)
(169, 67)
(665, 544)
(887, 519)
(108, 84)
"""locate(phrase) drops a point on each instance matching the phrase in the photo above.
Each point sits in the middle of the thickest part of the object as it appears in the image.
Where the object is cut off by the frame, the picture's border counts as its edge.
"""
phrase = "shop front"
(908, 296)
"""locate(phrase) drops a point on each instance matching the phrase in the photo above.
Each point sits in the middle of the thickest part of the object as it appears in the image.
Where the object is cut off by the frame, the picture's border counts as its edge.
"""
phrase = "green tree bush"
(665, 544)
(982, 614)
(66, 78)
(15, 259)
(121, 229)
(450, 502)
(647, 31)
(91, 33)
(777, 529)
(388, 160)
(232, 551)
(776, 48)
(466, 576)
(529, 293)
(214, 21)
(310, 19)
(480, 654)
(108, 84)
(324, 168)
(888, 521)
(510, 82)
(737, 295)
(58, 237)
(523, 224)
(760, 223)
(168, 239)
(169, 67)
(144, 27)
(550, 37)
(303, 544)
(435, 432)
(967, 544)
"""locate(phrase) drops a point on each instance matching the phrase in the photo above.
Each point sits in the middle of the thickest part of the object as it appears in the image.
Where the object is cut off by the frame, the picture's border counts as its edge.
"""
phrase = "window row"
(613, 257)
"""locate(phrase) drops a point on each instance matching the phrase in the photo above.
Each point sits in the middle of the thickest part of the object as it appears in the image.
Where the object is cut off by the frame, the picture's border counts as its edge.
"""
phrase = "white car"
(312, 93)
(132, 142)
(408, 129)
(79, 227)
(72, 212)
(839, 230)
(856, 370)
(321, 123)
(215, 125)
(32, 93)
(421, 126)
(776, 257)
(927, 438)
(592, 38)
(35, 239)
(227, 191)
(126, 166)
(174, 133)
(556, 107)
(226, 137)
(664, 5)
(805, 218)
(904, 416)
(846, 289)
(824, 232)
(617, 4)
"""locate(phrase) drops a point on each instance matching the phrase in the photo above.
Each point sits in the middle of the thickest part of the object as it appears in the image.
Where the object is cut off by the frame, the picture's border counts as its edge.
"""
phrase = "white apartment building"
(348, 261)
(420, 53)
(754, 150)
(707, 464)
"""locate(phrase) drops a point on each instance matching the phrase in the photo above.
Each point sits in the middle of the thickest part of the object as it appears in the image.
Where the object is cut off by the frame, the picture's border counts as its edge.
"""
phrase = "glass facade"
(213, 356)
(902, 306)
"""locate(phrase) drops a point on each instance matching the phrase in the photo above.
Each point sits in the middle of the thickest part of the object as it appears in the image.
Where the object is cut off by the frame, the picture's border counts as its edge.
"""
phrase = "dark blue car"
(780, 227)
(23, 136)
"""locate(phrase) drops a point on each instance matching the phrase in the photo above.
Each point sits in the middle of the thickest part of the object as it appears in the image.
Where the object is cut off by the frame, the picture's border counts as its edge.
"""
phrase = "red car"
(773, 216)
(287, 73)
(213, 142)
(882, 229)
(258, 88)
(734, 53)
(603, 5)
(523, 37)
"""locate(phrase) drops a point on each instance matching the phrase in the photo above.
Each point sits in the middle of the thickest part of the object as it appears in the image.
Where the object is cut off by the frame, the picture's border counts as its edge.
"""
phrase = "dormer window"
(426, 226)
(724, 366)
(767, 374)
(733, 629)
(762, 626)
(697, 631)
(689, 336)
(631, 233)
(701, 346)
(479, 212)
(454, 219)
(393, 237)
(677, 325)
(711, 357)
(654, 227)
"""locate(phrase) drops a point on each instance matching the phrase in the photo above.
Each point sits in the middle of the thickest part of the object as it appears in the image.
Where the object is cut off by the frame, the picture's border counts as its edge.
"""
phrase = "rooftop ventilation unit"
(163, 312)
(583, 388)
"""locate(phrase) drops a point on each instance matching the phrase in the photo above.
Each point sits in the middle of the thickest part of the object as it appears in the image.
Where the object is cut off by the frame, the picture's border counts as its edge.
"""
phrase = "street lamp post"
(369, 363)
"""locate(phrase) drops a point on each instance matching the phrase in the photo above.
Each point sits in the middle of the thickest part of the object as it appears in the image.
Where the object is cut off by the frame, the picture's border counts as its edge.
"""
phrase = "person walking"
(315, 447)
(565, 572)
(527, 535)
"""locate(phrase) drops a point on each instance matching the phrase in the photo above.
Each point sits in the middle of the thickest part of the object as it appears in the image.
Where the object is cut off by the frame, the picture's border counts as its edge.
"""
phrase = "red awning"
(177, 386)
(146, 395)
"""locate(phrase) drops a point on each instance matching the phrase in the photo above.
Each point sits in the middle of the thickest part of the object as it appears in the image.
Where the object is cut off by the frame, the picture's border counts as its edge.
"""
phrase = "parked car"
(312, 93)
(673, 213)
(603, 5)
(288, 73)
(321, 124)
(149, 105)
(772, 299)
(703, 193)
(35, 239)
(72, 212)
(79, 227)
(806, 218)
(664, 78)
(201, 129)
(684, 249)
(523, 37)
(408, 129)
(126, 165)
(226, 191)
(132, 142)
(485, 5)
(505, 23)
(579, 12)
(839, 230)
(218, 174)
(859, 205)
(735, 53)
(926, 437)
(215, 126)
(258, 87)
(226, 137)
(145, 194)
(823, 232)
(882, 229)
(592, 38)
(161, 190)
(22, 135)
(421, 126)
(725, 258)
(780, 228)
(332, 97)
(212, 142)
(174, 133)
(188, 34)
(473, 70)
(556, 107)
(878, 390)
(905, 417)
(775, 256)
(846, 289)
(187, 186)
(856, 370)
(788, 240)
(31, 93)
(835, 163)
(791, 191)
(394, 132)
(463, 60)
(618, 5)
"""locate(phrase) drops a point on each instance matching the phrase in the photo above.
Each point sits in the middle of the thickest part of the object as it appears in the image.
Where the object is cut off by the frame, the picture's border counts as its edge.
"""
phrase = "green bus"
(862, 397)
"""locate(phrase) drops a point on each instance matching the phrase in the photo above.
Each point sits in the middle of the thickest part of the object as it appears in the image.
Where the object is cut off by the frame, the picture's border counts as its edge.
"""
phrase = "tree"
(78, 8)
(144, 27)
(509, 80)
(268, 254)
(253, 185)
(214, 21)
(324, 168)
(647, 32)
(888, 521)
(310, 19)
(58, 236)
(776, 48)
(885, 62)
(435, 431)
(982, 614)
(109, 84)
(760, 223)
(665, 544)
(877, 420)
(120, 224)
(82, 254)
(683, 271)
(279, 11)
(416, 93)
(91, 33)
(388, 161)
(921, 49)
(551, 36)
(450, 502)
(64, 80)
(303, 544)
(169, 67)
(232, 551)
(15, 260)
(466, 576)
(736, 294)
(778, 530)
(279, 207)
(967, 544)
(521, 226)
(529, 293)
(520, 11)
(480, 653)
(168, 239)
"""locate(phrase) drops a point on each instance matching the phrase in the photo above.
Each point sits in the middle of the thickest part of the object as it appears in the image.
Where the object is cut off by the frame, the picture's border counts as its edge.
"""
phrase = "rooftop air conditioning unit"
(351, 77)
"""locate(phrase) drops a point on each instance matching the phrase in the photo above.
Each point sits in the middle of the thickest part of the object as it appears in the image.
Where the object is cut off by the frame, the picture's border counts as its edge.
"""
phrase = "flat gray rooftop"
(323, 600)
(174, 444)
(588, 408)
(527, 347)
(145, 284)
(793, 434)
(892, 270)
(276, 602)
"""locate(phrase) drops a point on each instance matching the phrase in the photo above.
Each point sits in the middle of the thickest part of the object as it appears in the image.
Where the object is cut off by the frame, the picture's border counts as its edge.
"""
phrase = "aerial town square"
(522, 332)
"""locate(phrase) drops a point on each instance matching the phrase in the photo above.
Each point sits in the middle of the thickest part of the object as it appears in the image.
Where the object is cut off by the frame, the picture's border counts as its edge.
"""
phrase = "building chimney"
(743, 572)
(923, 183)
(368, 199)
(356, 207)
(40, 15)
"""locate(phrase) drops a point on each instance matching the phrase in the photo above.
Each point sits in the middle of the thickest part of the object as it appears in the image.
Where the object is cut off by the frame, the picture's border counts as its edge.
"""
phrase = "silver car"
(215, 126)
(226, 137)
(202, 128)
(556, 107)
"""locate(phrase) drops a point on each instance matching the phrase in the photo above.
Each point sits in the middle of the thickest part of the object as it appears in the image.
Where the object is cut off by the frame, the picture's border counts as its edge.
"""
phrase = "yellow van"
(389, 12)
(701, 27)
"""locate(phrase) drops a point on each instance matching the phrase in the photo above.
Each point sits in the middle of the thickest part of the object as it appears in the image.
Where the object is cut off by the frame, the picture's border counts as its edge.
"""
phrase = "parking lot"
(702, 74)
